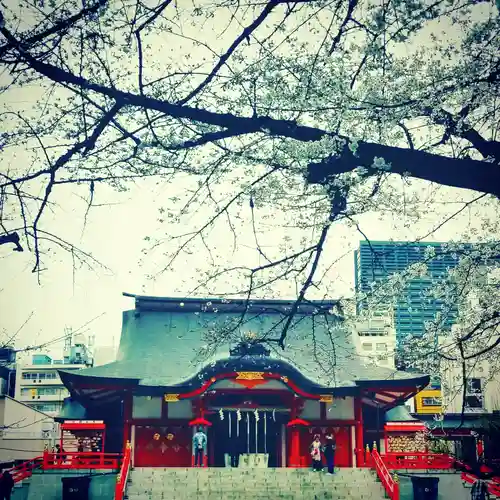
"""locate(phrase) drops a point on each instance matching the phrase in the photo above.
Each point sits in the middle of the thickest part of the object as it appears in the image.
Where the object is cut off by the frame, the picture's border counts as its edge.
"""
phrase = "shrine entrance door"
(162, 446)
(256, 433)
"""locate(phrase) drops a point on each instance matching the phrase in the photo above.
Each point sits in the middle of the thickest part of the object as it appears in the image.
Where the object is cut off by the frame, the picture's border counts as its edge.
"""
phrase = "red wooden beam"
(82, 426)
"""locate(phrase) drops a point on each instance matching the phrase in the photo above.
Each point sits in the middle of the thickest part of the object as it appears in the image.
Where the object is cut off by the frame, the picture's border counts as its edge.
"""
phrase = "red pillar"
(127, 416)
(294, 454)
(358, 426)
(295, 448)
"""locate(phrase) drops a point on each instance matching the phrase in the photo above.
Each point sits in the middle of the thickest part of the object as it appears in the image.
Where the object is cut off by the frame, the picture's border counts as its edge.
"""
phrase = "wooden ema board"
(71, 440)
(163, 446)
(343, 454)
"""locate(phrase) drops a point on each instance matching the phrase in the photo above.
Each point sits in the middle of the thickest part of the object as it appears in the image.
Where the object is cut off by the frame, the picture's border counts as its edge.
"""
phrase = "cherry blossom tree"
(322, 110)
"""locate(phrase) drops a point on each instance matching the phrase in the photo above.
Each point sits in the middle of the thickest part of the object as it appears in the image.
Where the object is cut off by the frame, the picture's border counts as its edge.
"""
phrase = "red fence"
(417, 461)
(121, 480)
(390, 485)
(66, 460)
(493, 483)
(79, 460)
(24, 470)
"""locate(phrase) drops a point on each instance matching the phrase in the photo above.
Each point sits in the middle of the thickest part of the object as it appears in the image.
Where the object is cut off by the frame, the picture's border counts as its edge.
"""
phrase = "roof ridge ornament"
(249, 347)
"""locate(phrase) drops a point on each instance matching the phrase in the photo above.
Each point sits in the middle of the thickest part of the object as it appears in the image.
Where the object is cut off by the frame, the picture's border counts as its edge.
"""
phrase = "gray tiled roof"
(167, 347)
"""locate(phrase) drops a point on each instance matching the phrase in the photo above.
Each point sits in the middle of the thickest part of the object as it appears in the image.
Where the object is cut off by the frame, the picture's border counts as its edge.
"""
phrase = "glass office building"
(377, 260)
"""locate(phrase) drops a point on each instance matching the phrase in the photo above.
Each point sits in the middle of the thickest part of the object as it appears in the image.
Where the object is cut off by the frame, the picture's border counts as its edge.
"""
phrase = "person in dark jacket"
(6, 485)
(235, 449)
(329, 452)
(479, 490)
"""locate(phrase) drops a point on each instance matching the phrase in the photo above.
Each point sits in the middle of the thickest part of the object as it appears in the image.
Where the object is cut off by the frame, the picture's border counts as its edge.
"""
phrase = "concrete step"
(243, 484)
(251, 495)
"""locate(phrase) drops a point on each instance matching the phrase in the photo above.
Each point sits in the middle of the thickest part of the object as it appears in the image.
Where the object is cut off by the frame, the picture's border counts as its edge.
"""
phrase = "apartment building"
(374, 339)
(38, 384)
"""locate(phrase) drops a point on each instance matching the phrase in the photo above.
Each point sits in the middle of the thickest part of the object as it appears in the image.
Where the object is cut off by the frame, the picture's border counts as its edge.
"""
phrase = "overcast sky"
(115, 236)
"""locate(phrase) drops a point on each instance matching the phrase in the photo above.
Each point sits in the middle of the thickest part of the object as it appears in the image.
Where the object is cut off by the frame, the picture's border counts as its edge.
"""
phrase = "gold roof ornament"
(171, 398)
(326, 398)
(250, 376)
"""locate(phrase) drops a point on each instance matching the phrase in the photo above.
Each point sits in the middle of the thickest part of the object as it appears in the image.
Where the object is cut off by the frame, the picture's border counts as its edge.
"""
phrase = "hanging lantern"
(221, 414)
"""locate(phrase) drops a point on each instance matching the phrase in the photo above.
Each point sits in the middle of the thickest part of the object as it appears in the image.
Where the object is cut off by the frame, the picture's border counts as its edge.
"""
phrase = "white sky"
(115, 234)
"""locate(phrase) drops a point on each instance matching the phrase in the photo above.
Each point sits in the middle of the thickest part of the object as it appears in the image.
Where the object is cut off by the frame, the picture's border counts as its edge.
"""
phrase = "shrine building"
(184, 363)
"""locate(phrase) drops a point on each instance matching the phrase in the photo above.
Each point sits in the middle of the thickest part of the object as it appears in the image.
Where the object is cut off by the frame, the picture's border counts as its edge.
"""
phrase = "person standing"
(199, 444)
(236, 448)
(329, 451)
(6, 485)
(479, 490)
(315, 450)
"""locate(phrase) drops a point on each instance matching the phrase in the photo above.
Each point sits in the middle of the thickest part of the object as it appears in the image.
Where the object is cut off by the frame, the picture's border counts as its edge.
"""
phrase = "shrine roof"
(178, 343)
(400, 414)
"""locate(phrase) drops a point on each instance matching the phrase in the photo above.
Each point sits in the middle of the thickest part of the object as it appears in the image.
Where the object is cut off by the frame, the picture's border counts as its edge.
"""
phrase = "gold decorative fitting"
(328, 398)
(213, 379)
(156, 437)
(171, 398)
(250, 376)
(129, 445)
(285, 379)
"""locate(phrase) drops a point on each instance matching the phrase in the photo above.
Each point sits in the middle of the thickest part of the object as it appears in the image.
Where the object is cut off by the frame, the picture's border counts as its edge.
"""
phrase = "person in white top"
(315, 450)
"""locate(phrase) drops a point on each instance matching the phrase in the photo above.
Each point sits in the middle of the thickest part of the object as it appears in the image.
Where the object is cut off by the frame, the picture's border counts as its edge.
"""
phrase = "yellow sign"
(171, 398)
(328, 398)
(250, 376)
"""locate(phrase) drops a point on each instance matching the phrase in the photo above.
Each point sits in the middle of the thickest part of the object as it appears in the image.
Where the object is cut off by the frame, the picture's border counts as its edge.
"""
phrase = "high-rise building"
(375, 261)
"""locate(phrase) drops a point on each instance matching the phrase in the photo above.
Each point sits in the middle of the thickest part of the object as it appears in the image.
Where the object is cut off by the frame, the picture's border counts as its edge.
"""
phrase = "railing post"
(368, 456)
(396, 487)
(118, 488)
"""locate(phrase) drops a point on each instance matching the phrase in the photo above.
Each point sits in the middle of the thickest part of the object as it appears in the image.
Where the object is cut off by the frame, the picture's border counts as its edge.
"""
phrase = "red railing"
(390, 485)
(413, 460)
(121, 479)
(24, 470)
(493, 483)
(78, 460)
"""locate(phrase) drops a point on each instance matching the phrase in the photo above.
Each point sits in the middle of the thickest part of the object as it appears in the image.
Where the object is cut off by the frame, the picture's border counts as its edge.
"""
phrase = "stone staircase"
(247, 484)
